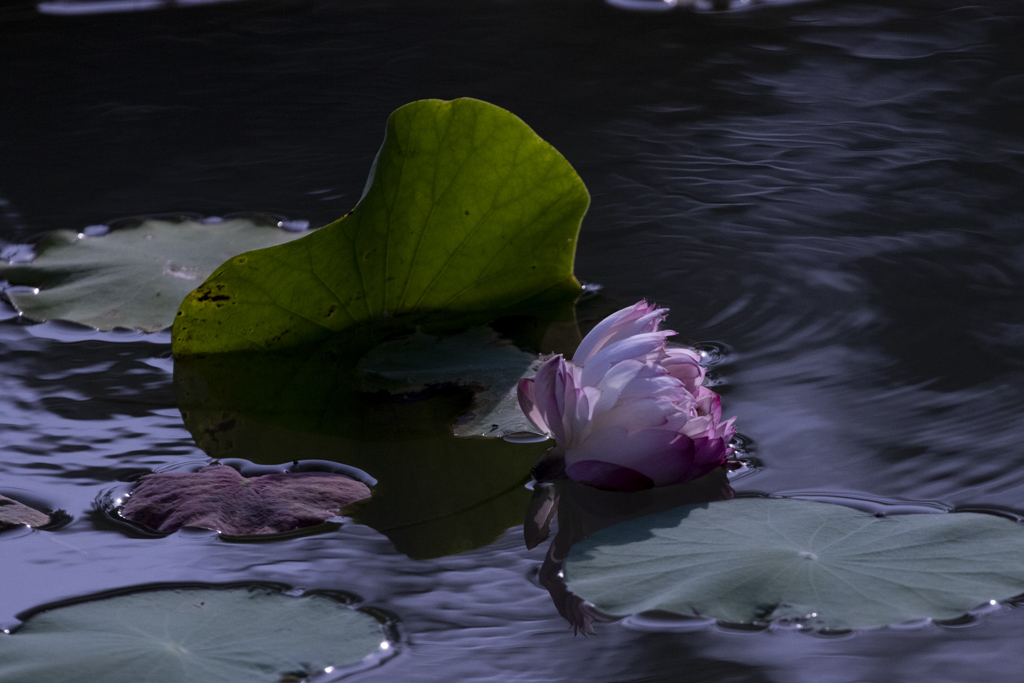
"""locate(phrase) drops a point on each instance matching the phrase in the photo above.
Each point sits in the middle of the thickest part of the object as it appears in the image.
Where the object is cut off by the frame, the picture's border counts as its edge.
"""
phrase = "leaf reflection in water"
(437, 495)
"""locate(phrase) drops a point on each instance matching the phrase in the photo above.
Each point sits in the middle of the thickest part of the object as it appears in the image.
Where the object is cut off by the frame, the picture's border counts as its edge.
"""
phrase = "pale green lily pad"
(466, 211)
(184, 636)
(477, 359)
(756, 560)
(134, 277)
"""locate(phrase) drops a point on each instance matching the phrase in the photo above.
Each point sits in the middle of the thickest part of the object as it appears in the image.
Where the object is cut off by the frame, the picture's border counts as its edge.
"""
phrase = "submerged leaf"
(755, 560)
(134, 277)
(184, 636)
(466, 210)
(437, 494)
(219, 498)
(477, 359)
(13, 513)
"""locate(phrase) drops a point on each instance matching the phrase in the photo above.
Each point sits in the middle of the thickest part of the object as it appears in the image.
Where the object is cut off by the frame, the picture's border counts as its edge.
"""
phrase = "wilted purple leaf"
(13, 513)
(218, 497)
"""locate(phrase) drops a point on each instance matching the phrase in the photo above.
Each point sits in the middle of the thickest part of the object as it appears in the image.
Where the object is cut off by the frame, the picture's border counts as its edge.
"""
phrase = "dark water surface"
(831, 194)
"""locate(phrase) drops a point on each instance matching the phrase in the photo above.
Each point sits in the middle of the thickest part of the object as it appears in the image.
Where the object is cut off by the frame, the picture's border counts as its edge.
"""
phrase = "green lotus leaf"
(827, 567)
(133, 277)
(183, 636)
(466, 211)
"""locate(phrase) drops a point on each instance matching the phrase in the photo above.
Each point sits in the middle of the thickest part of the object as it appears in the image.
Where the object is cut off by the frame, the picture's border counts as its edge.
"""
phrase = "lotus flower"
(628, 412)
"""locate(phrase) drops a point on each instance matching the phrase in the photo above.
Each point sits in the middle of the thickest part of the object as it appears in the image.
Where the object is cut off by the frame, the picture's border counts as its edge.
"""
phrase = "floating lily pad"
(219, 498)
(134, 277)
(13, 513)
(184, 636)
(825, 566)
(477, 359)
(466, 210)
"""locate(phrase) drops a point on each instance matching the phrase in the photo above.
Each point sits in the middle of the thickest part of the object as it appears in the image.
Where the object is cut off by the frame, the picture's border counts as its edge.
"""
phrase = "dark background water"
(830, 193)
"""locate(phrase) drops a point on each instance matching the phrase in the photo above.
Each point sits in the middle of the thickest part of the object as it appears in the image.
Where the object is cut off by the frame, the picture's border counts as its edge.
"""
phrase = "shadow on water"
(437, 494)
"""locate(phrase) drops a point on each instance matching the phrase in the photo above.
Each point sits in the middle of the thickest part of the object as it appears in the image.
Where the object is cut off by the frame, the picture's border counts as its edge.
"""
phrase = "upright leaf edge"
(348, 273)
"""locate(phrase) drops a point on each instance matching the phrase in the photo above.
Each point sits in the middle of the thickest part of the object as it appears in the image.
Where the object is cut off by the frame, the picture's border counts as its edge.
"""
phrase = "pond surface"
(827, 196)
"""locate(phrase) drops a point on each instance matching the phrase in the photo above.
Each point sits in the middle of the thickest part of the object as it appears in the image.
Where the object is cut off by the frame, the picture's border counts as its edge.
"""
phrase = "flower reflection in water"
(583, 510)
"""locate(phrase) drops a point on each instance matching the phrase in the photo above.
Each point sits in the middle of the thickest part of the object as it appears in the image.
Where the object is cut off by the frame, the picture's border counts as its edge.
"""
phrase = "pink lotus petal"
(627, 411)
(659, 454)
(548, 396)
(637, 347)
(605, 475)
(683, 365)
(529, 406)
(636, 319)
